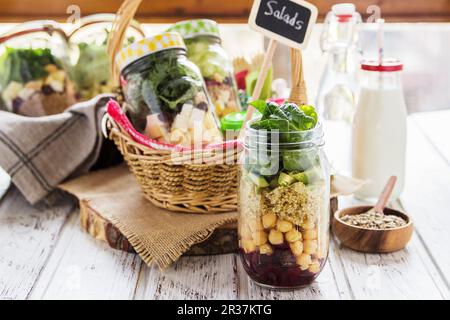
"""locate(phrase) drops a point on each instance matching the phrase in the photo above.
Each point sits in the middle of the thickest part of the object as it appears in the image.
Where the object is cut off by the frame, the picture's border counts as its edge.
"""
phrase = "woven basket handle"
(124, 16)
(298, 91)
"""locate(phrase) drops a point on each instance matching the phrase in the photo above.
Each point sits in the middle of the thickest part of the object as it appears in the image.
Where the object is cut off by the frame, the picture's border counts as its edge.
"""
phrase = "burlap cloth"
(157, 235)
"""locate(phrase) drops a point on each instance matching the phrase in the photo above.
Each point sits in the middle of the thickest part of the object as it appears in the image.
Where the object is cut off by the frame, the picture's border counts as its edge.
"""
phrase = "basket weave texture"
(191, 182)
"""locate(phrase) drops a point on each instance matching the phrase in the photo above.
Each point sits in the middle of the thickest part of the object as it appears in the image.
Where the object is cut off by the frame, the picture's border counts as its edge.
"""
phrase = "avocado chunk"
(259, 181)
(309, 176)
(301, 177)
(285, 180)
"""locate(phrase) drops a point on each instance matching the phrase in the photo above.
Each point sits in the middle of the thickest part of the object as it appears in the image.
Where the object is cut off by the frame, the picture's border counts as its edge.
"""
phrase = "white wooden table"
(45, 255)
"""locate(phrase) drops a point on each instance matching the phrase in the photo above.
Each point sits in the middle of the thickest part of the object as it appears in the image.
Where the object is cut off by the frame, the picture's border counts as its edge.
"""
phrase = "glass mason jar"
(34, 59)
(380, 129)
(91, 71)
(166, 97)
(205, 49)
(284, 197)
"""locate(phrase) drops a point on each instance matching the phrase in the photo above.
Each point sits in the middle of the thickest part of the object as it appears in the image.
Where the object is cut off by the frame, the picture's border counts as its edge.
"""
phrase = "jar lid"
(233, 120)
(388, 65)
(146, 46)
(193, 28)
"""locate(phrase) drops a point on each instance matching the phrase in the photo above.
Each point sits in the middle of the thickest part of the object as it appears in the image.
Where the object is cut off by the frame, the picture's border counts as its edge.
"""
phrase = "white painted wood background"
(45, 255)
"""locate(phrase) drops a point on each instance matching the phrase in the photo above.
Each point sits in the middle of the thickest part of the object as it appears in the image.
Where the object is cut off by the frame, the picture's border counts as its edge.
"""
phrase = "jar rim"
(35, 26)
(99, 18)
(128, 68)
(308, 138)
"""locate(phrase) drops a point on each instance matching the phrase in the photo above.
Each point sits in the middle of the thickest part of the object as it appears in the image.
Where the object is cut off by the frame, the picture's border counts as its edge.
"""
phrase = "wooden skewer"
(260, 82)
(385, 195)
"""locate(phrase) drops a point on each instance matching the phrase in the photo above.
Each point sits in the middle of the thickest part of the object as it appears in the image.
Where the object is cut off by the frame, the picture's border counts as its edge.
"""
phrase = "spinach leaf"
(259, 105)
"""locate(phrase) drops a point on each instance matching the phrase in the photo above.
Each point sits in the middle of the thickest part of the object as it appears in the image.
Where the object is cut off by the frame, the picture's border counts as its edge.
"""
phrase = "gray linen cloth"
(40, 153)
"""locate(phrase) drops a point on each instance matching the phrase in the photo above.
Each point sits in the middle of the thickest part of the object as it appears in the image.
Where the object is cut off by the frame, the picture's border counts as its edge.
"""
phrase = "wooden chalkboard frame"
(277, 37)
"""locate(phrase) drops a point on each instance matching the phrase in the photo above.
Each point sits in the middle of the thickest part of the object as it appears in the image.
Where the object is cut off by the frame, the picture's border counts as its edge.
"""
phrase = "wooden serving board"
(223, 240)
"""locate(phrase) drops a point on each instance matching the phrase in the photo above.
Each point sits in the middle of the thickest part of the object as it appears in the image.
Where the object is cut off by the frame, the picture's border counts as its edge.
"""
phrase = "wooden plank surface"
(426, 197)
(27, 236)
(45, 255)
(436, 128)
(191, 278)
(83, 268)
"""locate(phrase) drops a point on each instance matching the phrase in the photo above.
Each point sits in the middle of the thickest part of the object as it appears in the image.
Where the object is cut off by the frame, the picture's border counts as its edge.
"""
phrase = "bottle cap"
(233, 121)
(388, 65)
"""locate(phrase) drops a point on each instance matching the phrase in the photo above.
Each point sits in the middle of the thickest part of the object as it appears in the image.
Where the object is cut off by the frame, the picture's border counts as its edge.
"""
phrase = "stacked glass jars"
(166, 97)
(91, 72)
(34, 59)
(284, 207)
(205, 50)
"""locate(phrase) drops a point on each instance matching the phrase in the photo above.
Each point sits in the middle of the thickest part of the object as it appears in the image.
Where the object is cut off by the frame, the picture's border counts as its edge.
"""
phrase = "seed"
(293, 235)
(266, 249)
(308, 224)
(284, 226)
(310, 234)
(304, 260)
(275, 237)
(269, 220)
(314, 267)
(310, 246)
(297, 248)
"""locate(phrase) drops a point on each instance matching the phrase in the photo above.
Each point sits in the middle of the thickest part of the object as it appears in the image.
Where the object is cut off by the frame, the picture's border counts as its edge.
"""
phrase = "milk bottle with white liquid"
(339, 40)
(379, 129)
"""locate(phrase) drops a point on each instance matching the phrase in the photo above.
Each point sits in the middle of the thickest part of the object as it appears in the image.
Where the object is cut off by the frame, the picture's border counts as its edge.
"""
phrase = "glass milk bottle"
(379, 128)
(339, 39)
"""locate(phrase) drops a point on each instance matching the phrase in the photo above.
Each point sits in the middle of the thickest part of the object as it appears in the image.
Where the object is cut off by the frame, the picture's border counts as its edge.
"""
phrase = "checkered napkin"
(39, 153)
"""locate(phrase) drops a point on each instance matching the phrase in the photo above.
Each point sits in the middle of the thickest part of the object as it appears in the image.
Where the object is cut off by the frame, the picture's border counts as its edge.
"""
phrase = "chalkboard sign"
(287, 21)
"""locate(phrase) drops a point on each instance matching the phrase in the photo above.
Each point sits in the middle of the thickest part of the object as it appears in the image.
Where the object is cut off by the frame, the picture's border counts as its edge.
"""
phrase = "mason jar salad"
(166, 97)
(204, 47)
(284, 197)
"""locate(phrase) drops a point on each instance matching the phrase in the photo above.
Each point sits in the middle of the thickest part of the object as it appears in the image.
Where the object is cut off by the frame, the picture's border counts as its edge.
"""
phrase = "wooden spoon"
(384, 196)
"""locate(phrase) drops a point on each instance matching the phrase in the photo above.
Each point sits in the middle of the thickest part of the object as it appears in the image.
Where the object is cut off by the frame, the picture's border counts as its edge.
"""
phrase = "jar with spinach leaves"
(204, 47)
(284, 197)
(166, 97)
(91, 71)
(34, 64)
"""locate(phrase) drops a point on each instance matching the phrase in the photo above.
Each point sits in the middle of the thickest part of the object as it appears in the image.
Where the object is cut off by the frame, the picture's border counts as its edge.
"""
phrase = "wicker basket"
(193, 181)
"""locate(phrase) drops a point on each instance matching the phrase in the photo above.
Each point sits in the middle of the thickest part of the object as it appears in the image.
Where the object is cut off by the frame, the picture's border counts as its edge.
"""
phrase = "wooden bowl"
(372, 240)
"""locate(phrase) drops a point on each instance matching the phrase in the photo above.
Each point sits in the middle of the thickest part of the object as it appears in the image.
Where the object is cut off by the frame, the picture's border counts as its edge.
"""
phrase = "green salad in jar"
(33, 63)
(204, 47)
(91, 72)
(284, 196)
(165, 94)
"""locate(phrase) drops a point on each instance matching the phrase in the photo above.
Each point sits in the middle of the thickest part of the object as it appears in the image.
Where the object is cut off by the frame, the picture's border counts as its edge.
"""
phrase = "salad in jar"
(91, 72)
(204, 48)
(34, 59)
(166, 97)
(284, 197)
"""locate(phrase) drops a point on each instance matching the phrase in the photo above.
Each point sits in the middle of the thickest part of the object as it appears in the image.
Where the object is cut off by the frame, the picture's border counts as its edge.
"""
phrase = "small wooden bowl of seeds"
(363, 229)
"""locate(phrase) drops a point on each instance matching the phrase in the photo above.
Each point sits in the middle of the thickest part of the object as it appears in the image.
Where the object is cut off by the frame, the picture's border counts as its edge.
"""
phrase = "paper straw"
(380, 40)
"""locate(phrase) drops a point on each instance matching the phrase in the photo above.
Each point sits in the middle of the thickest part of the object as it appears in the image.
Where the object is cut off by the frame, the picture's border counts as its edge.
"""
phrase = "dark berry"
(47, 90)
(227, 81)
(16, 103)
(202, 106)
